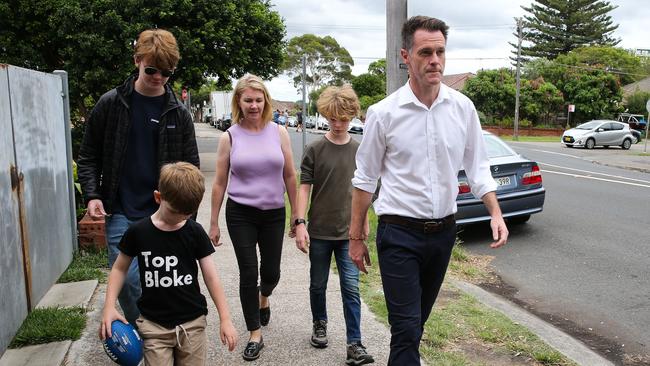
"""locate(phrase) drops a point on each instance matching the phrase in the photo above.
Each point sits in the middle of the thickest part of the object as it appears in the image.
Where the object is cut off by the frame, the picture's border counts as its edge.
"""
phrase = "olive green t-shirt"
(329, 168)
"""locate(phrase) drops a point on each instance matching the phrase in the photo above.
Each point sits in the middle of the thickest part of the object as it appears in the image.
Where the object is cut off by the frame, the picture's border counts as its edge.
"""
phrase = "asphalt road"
(583, 263)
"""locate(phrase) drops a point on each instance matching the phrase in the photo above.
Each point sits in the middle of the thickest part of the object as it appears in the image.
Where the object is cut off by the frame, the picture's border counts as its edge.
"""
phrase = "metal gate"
(36, 240)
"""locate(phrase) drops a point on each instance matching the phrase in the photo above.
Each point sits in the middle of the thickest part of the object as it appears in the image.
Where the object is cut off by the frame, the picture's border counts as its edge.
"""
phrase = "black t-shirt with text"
(168, 270)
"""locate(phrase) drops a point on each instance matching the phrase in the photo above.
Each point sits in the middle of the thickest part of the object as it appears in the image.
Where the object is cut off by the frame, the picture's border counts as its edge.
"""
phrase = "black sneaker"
(252, 350)
(357, 355)
(319, 335)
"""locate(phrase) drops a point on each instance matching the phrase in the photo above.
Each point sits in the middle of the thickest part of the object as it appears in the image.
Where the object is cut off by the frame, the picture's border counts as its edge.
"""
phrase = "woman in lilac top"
(256, 154)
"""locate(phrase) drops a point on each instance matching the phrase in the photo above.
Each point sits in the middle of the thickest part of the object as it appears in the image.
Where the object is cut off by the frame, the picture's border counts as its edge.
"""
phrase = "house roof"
(283, 105)
(641, 85)
(457, 81)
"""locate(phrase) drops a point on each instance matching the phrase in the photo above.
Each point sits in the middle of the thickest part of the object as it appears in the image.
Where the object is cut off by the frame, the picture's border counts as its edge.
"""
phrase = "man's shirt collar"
(406, 95)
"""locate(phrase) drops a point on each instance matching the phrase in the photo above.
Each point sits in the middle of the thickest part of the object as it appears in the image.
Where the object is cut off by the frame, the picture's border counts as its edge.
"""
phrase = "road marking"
(557, 153)
(596, 173)
(594, 178)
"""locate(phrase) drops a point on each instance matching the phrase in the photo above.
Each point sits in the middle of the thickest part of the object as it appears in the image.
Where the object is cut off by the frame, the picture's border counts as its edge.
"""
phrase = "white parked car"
(599, 133)
(292, 121)
(322, 124)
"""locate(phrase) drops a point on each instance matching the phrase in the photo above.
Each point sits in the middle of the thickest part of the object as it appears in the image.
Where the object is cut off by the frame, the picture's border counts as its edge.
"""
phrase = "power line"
(383, 28)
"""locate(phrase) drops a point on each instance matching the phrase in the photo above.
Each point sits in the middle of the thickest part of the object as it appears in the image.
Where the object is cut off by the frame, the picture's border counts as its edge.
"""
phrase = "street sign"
(572, 107)
(184, 94)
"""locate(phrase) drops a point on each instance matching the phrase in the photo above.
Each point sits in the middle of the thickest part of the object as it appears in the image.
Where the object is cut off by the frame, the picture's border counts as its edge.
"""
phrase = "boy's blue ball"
(125, 346)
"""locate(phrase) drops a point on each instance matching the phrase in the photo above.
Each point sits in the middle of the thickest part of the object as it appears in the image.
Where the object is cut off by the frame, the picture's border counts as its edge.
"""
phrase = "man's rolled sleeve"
(370, 154)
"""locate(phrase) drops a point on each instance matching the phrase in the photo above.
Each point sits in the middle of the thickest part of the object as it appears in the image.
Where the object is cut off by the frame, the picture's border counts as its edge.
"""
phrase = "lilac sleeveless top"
(256, 167)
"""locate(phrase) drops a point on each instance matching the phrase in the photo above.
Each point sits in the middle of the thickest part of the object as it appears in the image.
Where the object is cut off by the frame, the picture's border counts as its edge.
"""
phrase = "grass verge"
(532, 138)
(87, 265)
(50, 325)
(461, 330)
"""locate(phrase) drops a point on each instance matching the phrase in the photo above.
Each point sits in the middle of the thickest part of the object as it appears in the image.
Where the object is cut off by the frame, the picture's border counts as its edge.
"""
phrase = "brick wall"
(525, 131)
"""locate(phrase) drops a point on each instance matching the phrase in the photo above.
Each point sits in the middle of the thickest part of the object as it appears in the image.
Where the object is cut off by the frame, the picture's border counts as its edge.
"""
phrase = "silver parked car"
(599, 133)
(519, 186)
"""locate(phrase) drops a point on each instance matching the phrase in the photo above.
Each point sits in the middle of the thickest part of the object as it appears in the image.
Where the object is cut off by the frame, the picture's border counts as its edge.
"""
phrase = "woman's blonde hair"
(256, 83)
(338, 102)
(159, 46)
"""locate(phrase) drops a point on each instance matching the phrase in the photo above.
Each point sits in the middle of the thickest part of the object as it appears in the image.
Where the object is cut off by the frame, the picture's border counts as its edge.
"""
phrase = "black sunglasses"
(150, 70)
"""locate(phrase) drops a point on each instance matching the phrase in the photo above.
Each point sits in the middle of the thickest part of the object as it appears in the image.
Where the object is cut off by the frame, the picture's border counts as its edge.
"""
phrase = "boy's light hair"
(159, 46)
(181, 185)
(256, 83)
(340, 103)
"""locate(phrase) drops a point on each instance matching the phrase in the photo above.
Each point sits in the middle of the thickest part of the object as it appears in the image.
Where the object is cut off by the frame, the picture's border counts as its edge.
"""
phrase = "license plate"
(503, 181)
(567, 138)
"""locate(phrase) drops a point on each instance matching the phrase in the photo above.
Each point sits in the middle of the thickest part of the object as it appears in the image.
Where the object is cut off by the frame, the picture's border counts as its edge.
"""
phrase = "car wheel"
(626, 144)
(590, 143)
(519, 219)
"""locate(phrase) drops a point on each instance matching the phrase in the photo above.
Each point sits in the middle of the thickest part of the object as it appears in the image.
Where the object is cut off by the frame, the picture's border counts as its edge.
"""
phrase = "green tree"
(93, 39)
(623, 64)
(327, 62)
(312, 109)
(595, 91)
(636, 102)
(378, 67)
(555, 27)
(493, 93)
(369, 85)
(367, 100)
(596, 94)
(540, 101)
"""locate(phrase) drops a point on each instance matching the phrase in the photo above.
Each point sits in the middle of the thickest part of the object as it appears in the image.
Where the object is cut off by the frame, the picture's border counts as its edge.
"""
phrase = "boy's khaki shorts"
(184, 345)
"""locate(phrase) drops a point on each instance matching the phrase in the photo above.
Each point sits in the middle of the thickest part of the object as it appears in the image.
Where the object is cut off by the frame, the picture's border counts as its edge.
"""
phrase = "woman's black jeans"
(249, 226)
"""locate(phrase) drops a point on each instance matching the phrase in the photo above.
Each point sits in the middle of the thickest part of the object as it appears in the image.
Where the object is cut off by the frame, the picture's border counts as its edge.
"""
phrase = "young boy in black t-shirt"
(167, 246)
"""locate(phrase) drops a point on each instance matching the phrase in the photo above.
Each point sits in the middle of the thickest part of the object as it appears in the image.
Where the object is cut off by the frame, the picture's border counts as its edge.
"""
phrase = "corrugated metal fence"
(37, 222)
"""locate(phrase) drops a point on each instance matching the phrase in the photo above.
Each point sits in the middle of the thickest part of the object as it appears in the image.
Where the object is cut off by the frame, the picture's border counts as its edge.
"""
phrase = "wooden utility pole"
(515, 135)
(396, 74)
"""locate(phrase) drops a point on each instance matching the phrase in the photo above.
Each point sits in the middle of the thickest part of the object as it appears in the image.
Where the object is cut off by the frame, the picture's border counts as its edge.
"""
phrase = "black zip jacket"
(103, 149)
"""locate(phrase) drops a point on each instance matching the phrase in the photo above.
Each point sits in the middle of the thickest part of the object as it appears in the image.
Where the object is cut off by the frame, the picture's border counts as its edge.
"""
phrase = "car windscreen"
(589, 125)
(496, 148)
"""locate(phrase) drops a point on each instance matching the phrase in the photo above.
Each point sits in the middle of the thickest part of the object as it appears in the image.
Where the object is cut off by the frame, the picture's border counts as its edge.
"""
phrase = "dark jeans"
(412, 266)
(320, 256)
(116, 225)
(249, 226)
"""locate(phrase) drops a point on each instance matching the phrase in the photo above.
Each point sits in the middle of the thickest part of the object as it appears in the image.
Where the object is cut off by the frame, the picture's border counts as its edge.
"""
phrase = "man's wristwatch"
(299, 221)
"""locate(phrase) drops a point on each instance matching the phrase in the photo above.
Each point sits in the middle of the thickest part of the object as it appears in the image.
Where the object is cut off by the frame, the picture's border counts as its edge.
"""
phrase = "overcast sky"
(478, 37)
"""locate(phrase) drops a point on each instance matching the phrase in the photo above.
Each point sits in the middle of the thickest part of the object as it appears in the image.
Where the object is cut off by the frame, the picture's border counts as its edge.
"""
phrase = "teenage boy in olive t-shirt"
(328, 166)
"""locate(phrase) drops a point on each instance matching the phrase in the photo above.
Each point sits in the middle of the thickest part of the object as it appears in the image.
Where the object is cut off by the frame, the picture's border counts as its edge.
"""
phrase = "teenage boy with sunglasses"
(132, 131)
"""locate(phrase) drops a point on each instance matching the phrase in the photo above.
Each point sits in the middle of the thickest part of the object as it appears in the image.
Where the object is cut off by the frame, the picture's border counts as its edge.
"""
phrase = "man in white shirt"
(416, 140)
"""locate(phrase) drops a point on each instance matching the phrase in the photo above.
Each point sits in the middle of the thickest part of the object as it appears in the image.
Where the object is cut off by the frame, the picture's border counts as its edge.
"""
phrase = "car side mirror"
(600, 129)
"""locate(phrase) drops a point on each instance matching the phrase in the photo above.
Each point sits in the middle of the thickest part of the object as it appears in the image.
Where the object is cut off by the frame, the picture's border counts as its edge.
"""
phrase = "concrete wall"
(34, 141)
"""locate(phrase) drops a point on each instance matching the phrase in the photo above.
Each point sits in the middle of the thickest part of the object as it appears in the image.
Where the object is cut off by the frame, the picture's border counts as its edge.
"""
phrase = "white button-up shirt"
(418, 151)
